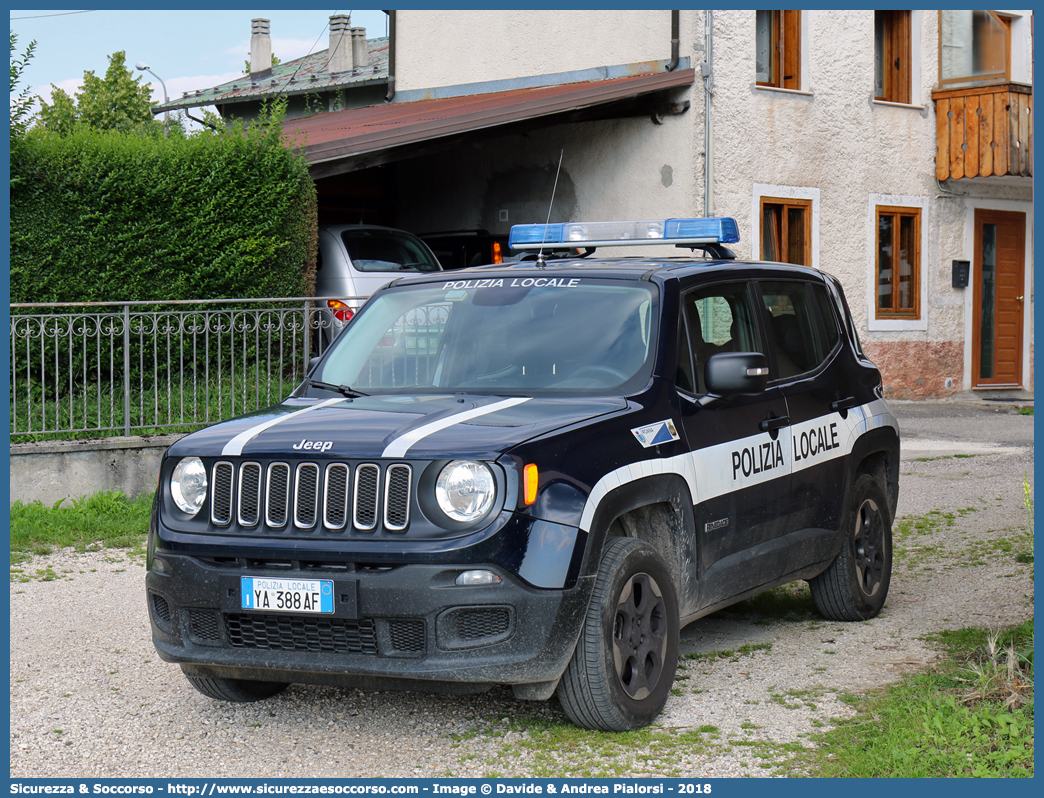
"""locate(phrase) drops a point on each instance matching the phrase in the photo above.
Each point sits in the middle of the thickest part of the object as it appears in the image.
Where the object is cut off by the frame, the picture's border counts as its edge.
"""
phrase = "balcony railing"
(984, 131)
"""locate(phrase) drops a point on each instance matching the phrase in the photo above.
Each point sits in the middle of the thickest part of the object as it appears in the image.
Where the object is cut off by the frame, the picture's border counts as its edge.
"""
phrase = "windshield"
(512, 335)
(387, 251)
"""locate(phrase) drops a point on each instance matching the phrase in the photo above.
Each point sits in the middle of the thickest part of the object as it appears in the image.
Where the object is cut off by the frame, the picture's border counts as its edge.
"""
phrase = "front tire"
(855, 585)
(237, 690)
(623, 666)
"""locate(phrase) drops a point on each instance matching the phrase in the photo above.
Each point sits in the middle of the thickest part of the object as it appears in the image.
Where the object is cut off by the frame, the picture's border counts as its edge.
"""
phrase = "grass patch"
(1025, 411)
(554, 749)
(102, 520)
(972, 716)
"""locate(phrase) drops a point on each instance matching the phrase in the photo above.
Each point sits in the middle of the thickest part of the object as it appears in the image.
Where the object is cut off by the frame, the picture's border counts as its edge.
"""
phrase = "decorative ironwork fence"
(133, 367)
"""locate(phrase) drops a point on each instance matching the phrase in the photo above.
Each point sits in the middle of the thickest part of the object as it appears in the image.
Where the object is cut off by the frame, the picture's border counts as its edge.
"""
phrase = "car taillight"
(498, 256)
(340, 310)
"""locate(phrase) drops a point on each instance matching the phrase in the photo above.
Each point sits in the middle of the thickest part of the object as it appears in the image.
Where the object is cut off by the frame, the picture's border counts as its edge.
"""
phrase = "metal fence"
(132, 367)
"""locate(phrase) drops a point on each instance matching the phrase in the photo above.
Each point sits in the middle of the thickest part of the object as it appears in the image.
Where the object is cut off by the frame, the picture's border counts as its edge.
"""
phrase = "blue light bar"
(712, 230)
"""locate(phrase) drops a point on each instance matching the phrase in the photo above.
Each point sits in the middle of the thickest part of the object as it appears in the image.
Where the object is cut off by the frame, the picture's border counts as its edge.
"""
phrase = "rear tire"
(623, 666)
(855, 585)
(238, 690)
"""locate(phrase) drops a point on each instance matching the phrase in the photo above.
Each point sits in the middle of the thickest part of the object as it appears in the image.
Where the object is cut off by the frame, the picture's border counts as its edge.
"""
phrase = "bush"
(112, 216)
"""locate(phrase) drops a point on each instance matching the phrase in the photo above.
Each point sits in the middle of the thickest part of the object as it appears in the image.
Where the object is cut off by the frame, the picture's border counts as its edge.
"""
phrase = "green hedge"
(104, 216)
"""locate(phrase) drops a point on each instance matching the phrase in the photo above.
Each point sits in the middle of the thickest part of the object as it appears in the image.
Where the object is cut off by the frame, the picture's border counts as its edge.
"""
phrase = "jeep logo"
(319, 446)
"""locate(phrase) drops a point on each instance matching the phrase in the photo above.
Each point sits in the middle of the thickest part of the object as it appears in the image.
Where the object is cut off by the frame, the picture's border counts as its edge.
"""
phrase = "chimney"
(360, 49)
(340, 44)
(260, 49)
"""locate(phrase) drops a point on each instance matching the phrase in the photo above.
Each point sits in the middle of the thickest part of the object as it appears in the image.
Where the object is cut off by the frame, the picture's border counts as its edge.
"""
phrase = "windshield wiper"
(351, 393)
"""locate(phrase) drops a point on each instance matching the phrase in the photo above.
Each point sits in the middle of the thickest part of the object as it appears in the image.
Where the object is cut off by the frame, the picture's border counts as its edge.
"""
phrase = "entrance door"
(1000, 245)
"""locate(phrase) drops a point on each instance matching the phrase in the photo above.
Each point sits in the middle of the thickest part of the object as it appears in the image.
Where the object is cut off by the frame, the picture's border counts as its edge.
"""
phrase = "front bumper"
(392, 623)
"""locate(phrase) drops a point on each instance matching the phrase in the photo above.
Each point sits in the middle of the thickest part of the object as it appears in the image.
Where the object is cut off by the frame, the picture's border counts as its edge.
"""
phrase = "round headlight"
(188, 485)
(465, 490)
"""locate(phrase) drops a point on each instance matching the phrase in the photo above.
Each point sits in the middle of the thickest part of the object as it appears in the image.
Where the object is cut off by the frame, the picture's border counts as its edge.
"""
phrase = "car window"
(793, 328)
(387, 251)
(501, 336)
(716, 319)
(827, 314)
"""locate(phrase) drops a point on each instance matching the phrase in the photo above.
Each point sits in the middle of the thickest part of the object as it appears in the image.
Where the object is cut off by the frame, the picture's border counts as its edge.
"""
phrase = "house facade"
(890, 148)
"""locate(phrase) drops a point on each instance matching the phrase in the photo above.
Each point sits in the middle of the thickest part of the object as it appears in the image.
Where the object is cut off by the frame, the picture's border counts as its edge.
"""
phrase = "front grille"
(281, 633)
(313, 497)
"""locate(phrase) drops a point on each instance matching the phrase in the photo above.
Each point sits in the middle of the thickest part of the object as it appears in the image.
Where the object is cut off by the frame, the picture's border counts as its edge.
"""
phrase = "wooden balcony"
(984, 131)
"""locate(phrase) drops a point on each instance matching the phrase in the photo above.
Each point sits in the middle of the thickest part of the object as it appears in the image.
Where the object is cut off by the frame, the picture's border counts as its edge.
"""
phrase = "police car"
(534, 474)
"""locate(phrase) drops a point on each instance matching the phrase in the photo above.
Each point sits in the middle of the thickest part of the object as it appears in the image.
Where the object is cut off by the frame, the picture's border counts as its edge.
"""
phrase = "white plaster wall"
(449, 48)
(833, 137)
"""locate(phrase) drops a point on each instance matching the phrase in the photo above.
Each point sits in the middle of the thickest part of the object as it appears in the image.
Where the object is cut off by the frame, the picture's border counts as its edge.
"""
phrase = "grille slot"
(407, 636)
(397, 498)
(278, 491)
(306, 495)
(335, 496)
(278, 633)
(221, 496)
(249, 494)
(367, 478)
(478, 624)
(161, 612)
(204, 625)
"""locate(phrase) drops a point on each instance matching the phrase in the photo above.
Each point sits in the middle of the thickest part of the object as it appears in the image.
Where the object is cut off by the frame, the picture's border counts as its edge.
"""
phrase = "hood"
(399, 427)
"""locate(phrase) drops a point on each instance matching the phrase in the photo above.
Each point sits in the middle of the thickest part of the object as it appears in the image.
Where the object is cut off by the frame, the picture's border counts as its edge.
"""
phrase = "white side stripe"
(730, 466)
(234, 447)
(402, 444)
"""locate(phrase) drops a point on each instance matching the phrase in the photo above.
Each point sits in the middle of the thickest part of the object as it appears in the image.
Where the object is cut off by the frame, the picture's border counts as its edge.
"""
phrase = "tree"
(21, 106)
(246, 64)
(119, 101)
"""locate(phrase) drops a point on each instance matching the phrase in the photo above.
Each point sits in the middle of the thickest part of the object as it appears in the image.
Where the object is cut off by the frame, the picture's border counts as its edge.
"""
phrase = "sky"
(188, 50)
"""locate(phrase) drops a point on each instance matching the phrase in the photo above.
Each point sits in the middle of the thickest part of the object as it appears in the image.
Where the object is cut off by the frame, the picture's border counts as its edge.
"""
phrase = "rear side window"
(793, 329)
(387, 251)
(827, 314)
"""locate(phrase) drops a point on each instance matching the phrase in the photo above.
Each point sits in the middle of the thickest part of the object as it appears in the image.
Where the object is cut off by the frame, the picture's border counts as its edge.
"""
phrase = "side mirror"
(736, 373)
(312, 363)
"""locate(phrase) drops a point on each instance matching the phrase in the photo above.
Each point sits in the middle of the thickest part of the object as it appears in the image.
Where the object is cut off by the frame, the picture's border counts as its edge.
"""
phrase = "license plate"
(286, 595)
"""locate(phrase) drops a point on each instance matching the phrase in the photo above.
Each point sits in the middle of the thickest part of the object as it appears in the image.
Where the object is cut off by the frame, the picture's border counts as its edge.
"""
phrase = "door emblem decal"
(654, 434)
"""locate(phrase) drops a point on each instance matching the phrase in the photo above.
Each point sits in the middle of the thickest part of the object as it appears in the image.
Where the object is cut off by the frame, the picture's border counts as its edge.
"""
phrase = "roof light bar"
(711, 230)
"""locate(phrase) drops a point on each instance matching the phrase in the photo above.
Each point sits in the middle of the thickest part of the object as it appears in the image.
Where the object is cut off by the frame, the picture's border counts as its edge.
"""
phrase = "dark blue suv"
(534, 474)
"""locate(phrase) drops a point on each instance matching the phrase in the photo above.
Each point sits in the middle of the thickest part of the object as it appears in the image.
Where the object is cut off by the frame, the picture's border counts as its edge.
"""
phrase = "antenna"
(540, 262)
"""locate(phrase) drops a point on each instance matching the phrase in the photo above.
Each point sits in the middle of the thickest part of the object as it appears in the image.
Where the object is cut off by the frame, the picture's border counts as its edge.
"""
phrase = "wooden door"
(999, 299)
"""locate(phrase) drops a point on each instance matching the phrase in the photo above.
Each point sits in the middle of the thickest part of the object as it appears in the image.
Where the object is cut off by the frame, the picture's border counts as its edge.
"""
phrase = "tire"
(855, 585)
(242, 691)
(623, 666)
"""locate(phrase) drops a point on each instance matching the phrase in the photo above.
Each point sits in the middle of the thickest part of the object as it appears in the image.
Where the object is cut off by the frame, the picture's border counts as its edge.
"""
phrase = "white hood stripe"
(234, 448)
(402, 444)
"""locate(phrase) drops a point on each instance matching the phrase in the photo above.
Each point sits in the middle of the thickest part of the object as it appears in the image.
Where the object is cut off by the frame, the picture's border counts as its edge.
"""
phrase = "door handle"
(1020, 298)
(844, 404)
(770, 424)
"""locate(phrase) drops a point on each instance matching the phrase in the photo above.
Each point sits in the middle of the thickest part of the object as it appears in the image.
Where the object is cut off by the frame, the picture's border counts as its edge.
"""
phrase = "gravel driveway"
(90, 697)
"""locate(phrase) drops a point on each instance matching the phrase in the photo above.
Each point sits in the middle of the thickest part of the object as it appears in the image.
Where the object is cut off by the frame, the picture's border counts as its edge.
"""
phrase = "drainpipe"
(391, 57)
(708, 93)
(675, 25)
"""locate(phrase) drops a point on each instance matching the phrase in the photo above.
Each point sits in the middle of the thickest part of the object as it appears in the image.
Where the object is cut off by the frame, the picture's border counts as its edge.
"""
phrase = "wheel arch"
(659, 511)
(877, 453)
